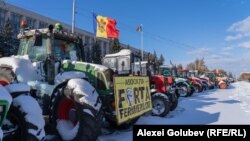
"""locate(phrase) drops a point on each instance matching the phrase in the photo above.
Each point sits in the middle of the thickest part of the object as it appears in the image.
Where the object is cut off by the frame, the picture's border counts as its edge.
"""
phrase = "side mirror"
(38, 40)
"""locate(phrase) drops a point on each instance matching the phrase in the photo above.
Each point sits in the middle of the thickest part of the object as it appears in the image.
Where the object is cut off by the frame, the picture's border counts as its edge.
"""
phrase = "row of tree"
(8, 44)
(200, 66)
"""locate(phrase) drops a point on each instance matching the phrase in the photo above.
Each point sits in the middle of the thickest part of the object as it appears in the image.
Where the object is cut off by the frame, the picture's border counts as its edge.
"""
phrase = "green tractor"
(77, 96)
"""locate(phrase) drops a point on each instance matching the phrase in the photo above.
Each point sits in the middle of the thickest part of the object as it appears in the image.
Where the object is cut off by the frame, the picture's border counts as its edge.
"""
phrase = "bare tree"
(198, 64)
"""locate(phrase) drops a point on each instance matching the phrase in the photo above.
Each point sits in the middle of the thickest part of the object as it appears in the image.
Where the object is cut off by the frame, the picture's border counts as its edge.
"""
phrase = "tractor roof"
(123, 52)
(45, 31)
(165, 66)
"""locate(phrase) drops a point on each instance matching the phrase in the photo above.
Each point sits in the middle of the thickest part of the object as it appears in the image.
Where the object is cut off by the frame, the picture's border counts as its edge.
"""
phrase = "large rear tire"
(74, 121)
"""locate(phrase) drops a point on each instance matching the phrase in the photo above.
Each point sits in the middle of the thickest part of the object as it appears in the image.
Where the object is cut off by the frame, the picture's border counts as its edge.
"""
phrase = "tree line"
(199, 64)
(8, 44)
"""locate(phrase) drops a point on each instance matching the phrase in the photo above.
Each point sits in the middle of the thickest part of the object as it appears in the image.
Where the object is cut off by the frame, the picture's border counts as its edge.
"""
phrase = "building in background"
(15, 15)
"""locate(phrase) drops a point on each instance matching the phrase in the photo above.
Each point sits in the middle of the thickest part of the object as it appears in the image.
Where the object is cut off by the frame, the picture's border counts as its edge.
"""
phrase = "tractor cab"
(182, 73)
(193, 73)
(48, 47)
(40, 44)
(123, 62)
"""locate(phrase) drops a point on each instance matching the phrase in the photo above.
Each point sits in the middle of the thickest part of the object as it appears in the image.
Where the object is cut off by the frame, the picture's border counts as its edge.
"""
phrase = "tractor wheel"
(74, 121)
(160, 104)
(182, 90)
(174, 101)
(197, 88)
(223, 85)
(190, 91)
(23, 125)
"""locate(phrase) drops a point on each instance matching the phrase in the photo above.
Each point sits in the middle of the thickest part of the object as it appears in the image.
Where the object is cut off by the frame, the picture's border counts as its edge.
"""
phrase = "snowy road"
(228, 106)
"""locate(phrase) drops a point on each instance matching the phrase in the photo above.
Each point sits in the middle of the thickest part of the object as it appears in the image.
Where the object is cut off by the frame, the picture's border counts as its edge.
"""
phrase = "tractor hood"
(178, 79)
(22, 67)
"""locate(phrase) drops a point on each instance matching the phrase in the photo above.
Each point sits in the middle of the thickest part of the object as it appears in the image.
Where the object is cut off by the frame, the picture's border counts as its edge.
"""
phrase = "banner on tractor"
(132, 97)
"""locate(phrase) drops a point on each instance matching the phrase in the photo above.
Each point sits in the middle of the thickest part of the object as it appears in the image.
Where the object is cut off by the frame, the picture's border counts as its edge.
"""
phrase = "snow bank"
(88, 92)
(218, 106)
(210, 107)
(22, 66)
(66, 129)
(33, 114)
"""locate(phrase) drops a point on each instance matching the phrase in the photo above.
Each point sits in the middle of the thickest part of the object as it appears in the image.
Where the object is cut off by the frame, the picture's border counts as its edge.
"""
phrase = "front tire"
(161, 105)
(197, 88)
(222, 85)
(183, 90)
(174, 101)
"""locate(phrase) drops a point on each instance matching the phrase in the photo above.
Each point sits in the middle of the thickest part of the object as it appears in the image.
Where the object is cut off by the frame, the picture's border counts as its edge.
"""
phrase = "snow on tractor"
(77, 96)
(183, 86)
(219, 81)
(195, 82)
(21, 116)
(127, 63)
(205, 80)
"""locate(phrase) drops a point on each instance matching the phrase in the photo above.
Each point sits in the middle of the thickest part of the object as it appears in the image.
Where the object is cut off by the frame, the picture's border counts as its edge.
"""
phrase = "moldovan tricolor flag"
(105, 27)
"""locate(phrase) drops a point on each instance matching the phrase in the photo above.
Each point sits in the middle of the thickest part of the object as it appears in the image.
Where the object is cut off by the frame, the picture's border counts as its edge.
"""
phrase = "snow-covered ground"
(218, 106)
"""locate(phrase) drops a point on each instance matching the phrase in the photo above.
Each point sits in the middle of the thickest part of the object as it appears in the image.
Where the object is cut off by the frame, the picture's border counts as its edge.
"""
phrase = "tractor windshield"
(35, 53)
(62, 49)
(165, 71)
(65, 50)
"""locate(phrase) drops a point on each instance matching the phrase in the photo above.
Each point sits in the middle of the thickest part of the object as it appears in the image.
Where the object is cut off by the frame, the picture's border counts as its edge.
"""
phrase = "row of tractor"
(49, 78)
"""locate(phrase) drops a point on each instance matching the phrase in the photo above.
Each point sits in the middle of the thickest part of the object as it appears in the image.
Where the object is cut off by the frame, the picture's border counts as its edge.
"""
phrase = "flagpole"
(73, 16)
(142, 43)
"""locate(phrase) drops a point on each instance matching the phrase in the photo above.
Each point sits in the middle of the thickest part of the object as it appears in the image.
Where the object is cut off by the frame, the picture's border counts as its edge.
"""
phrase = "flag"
(139, 29)
(105, 27)
(171, 63)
